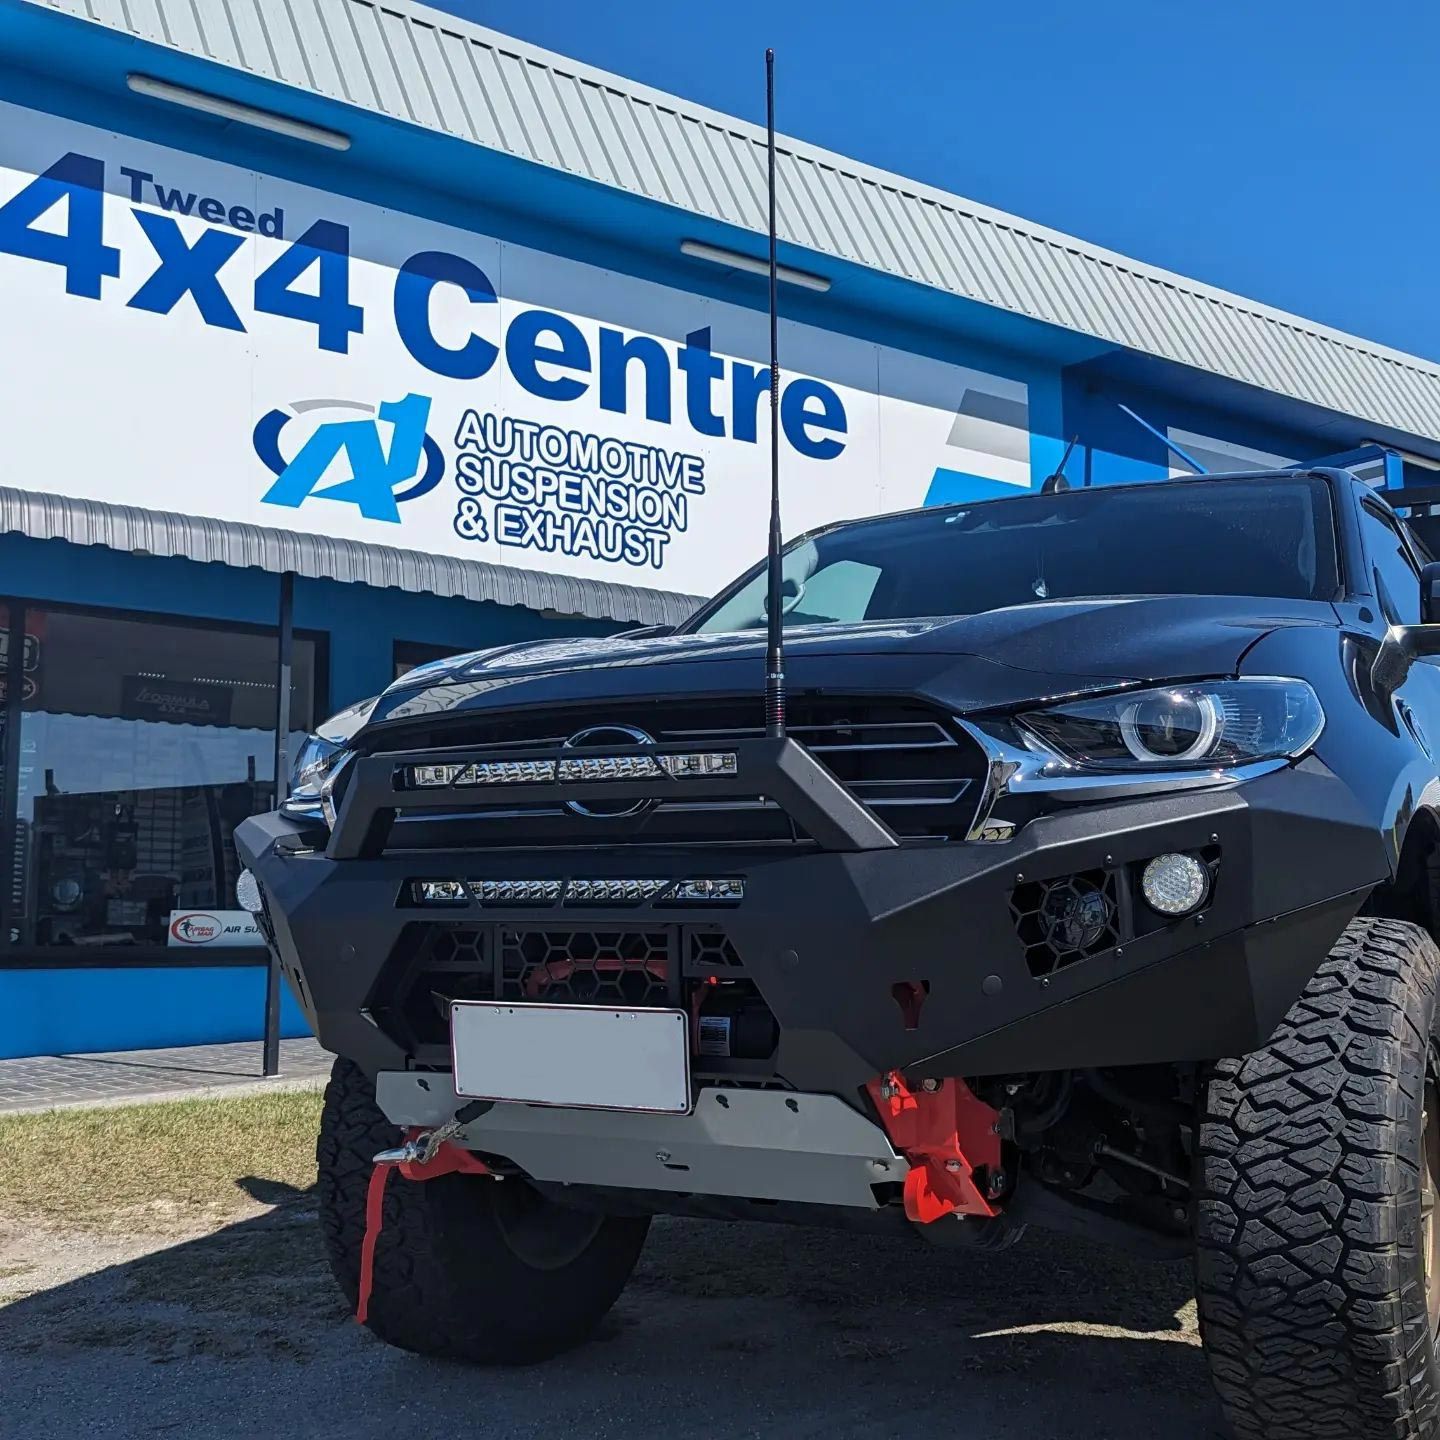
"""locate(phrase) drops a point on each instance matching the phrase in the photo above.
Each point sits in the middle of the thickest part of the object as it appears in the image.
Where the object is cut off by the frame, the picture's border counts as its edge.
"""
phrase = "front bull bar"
(377, 790)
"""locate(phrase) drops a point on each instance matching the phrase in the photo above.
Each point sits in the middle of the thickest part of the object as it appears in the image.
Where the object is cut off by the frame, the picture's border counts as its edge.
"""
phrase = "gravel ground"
(725, 1331)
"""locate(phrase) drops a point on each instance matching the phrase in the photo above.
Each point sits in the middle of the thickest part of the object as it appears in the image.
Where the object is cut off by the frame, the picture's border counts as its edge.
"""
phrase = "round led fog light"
(1175, 884)
(247, 893)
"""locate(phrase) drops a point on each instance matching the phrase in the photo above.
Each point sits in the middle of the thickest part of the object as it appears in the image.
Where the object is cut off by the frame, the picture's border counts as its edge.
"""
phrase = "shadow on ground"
(725, 1331)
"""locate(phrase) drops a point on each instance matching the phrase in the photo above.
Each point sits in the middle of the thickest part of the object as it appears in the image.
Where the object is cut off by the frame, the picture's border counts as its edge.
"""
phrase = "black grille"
(910, 764)
(437, 962)
(1065, 920)
(432, 965)
(586, 967)
(709, 950)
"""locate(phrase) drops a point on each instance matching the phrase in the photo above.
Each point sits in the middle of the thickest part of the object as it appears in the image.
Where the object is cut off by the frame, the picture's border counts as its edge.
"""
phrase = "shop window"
(143, 743)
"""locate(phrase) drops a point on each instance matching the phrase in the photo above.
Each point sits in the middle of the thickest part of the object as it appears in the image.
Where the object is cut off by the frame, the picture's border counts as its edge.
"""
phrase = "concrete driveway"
(725, 1331)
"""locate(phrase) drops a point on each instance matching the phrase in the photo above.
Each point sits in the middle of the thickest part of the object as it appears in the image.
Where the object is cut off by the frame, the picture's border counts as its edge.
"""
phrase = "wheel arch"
(1413, 892)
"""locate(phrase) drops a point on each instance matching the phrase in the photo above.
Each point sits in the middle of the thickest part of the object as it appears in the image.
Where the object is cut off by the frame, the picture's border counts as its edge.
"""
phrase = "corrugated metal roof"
(425, 68)
(154, 532)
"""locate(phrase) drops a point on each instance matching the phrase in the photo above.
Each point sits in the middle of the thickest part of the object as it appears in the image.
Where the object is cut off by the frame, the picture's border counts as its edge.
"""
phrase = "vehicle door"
(1393, 570)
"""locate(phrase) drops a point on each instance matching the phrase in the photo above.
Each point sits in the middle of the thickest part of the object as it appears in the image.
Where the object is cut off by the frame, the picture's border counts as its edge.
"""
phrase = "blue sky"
(1283, 149)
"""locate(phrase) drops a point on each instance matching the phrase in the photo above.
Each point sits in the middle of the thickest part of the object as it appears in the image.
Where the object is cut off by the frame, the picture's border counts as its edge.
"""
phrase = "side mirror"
(1430, 594)
(1402, 645)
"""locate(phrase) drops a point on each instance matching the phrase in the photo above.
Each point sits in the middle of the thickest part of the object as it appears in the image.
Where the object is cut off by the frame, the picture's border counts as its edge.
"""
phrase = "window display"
(143, 743)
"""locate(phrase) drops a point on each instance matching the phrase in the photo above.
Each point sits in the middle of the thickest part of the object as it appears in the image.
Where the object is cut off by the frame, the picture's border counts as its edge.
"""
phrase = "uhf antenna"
(1058, 480)
(775, 614)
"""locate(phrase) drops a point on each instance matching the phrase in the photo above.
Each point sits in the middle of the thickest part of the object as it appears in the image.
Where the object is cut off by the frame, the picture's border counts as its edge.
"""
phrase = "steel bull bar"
(381, 785)
(820, 1170)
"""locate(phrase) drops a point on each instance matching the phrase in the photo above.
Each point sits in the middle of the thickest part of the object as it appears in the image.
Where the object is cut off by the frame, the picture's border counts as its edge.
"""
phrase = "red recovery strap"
(449, 1159)
(952, 1141)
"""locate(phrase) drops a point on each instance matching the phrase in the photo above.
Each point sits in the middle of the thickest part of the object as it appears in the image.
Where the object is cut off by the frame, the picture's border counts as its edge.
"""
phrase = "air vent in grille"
(902, 759)
(1065, 920)
(709, 950)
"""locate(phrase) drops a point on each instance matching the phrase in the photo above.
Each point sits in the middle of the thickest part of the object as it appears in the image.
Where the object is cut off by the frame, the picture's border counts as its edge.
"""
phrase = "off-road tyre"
(1311, 1169)
(448, 1280)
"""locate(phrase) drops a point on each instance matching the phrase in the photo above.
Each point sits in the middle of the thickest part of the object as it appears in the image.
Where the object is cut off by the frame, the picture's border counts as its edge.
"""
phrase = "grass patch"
(176, 1161)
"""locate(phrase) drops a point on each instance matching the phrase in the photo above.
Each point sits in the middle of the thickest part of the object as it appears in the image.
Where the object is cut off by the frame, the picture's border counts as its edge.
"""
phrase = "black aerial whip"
(774, 607)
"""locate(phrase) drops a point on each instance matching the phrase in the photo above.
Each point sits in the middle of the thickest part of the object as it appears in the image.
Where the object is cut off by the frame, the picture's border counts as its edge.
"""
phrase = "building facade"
(343, 336)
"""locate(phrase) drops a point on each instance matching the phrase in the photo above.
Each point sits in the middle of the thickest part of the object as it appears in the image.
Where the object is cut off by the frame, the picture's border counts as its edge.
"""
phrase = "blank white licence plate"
(577, 1055)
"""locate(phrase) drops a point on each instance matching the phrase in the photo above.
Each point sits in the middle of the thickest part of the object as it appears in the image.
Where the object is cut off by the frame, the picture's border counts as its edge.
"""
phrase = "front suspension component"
(952, 1141)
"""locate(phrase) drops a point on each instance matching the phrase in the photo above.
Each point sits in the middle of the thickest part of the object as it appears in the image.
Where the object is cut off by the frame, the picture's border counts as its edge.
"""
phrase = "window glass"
(26, 657)
(1397, 584)
(1274, 536)
(142, 745)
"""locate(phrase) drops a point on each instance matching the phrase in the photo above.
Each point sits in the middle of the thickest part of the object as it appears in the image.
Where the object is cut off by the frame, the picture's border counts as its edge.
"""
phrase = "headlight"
(1203, 726)
(319, 763)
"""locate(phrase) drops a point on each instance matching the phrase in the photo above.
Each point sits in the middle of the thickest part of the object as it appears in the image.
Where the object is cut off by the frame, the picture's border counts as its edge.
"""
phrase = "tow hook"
(420, 1148)
(414, 1152)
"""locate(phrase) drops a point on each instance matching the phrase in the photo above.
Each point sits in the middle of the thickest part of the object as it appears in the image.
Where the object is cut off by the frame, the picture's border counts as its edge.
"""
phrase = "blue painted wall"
(1113, 449)
(57, 1012)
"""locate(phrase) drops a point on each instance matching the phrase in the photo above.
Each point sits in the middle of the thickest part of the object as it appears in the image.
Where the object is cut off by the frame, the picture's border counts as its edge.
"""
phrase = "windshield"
(1274, 536)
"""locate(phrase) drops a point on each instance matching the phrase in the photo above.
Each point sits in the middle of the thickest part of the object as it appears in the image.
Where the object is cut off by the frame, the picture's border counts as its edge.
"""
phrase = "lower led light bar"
(697, 890)
(517, 892)
(441, 892)
(684, 765)
(611, 892)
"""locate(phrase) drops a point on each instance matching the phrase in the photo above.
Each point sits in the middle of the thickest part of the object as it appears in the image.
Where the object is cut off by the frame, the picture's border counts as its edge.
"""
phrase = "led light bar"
(612, 892)
(649, 767)
(708, 892)
(484, 772)
(611, 767)
(703, 762)
(624, 890)
(684, 765)
(441, 892)
(517, 892)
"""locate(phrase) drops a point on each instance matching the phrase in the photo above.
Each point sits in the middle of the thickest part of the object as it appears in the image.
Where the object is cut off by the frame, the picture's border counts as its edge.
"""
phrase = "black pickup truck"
(1091, 886)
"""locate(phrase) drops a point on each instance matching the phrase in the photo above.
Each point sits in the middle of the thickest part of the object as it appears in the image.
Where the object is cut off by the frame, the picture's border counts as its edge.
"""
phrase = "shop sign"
(197, 929)
(259, 351)
(30, 666)
(191, 702)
